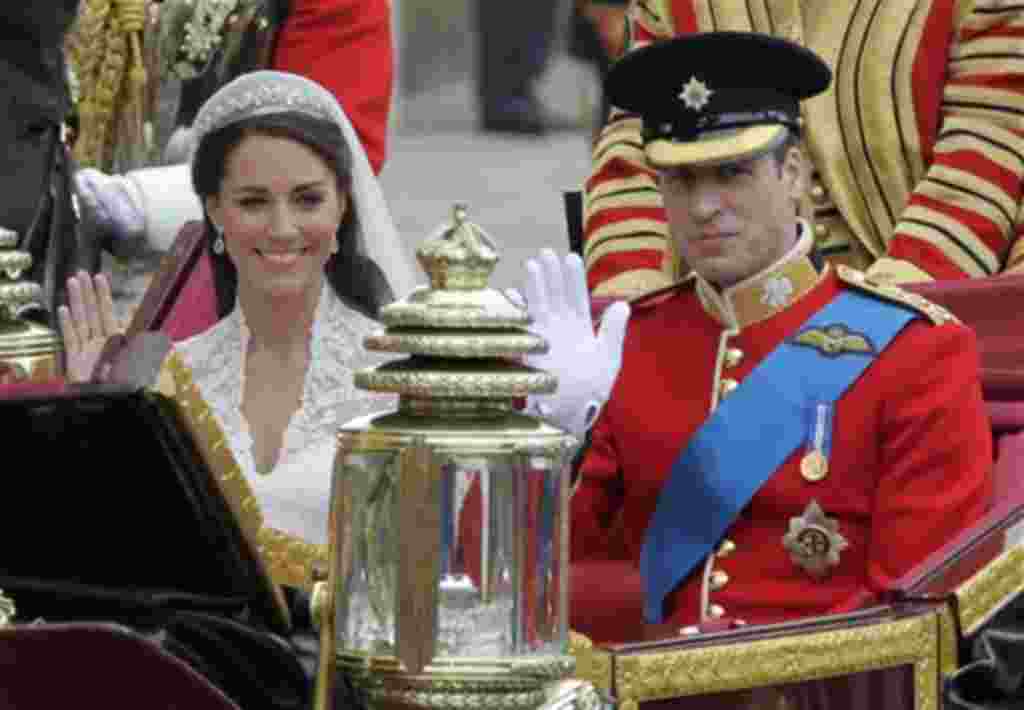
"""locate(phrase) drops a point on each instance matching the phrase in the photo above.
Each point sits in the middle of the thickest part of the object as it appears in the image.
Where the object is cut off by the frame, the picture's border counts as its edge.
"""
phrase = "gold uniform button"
(821, 231)
(716, 611)
(726, 548)
(719, 579)
(733, 357)
(818, 194)
(727, 386)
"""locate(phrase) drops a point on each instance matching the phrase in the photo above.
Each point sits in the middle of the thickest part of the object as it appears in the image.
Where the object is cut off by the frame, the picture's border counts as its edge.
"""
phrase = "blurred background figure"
(516, 45)
(516, 40)
(597, 36)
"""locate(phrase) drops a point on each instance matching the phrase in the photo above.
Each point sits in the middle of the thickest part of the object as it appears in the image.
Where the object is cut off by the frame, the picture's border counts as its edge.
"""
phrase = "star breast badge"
(695, 94)
(833, 340)
(814, 542)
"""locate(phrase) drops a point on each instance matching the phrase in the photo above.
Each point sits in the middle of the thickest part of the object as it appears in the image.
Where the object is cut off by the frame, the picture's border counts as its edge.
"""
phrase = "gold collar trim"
(766, 293)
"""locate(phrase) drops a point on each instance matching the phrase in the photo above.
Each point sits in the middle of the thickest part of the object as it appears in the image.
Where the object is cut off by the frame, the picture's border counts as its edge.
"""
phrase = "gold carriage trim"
(593, 664)
(285, 559)
(291, 560)
(654, 675)
(985, 593)
(862, 282)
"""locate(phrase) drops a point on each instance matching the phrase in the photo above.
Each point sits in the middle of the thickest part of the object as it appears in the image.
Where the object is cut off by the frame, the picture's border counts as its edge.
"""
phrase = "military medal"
(814, 464)
(814, 542)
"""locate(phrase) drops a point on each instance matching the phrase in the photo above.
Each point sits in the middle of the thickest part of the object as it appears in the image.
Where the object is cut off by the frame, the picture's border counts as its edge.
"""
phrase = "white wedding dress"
(294, 496)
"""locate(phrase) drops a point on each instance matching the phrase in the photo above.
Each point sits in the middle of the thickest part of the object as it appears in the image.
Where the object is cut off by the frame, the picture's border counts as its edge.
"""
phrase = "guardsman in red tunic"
(917, 146)
(785, 437)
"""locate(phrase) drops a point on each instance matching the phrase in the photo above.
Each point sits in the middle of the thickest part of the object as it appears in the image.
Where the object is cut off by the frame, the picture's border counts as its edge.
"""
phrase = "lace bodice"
(294, 495)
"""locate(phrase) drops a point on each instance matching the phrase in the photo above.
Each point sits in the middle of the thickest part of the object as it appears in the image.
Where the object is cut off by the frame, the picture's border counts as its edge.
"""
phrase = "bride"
(290, 203)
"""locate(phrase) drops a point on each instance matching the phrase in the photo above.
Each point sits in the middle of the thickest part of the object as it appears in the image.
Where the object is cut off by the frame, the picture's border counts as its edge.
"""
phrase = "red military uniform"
(346, 46)
(918, 145)
(909, 464)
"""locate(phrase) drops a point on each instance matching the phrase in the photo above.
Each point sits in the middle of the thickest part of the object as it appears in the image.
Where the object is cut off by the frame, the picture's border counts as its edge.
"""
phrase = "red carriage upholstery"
(49, 666)
(180, 300)
(994, 309)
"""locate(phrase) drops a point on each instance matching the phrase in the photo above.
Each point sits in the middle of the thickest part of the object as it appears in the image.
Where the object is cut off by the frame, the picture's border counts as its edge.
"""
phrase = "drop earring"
(218, 242)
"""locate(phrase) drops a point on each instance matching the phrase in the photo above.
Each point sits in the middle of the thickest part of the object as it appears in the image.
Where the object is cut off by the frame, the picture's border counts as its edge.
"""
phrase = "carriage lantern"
(29, 351)
(448, 580)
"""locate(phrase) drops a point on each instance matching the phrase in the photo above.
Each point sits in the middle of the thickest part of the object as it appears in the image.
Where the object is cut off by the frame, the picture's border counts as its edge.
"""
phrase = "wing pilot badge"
(834, 340)
(814, 542)
(695, 94)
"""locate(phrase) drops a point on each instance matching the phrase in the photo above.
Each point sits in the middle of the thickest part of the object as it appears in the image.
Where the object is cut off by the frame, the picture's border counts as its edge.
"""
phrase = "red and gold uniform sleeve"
(935, 473)
(345, 45)
(626, 244)
(963, 216)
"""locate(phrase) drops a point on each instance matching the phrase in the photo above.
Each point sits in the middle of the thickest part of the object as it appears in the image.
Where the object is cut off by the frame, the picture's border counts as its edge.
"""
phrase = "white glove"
(116, 201)
(586, 364)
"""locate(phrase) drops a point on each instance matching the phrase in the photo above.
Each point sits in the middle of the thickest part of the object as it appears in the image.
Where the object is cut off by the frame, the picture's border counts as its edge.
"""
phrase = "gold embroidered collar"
(766, 293)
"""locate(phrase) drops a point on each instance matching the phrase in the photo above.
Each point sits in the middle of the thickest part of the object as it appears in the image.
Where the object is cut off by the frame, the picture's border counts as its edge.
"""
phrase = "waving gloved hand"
(585, 363)
(116, 202)
(86, 323)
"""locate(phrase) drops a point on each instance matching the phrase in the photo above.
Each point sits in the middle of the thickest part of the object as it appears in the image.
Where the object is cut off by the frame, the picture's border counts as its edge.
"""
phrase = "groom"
(783, 438)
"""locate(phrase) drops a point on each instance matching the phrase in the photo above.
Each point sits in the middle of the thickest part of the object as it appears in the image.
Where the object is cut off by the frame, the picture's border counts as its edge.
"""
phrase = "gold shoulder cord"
(862, 282)
(105, 52)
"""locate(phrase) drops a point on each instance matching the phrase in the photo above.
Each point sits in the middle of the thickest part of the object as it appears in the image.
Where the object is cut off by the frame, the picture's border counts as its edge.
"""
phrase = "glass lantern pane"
(368, 551)
(502, 541)
(502, 586)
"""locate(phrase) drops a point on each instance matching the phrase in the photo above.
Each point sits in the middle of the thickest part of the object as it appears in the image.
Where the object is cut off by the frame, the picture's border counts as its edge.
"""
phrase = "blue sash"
(751, 434)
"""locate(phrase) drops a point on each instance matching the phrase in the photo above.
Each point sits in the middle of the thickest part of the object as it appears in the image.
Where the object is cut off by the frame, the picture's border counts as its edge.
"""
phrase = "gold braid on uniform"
(860, 281)
(106, 54)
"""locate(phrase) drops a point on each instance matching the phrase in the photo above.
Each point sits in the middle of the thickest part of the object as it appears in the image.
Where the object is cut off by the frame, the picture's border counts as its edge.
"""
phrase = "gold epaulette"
(862, 282)
(649, 299)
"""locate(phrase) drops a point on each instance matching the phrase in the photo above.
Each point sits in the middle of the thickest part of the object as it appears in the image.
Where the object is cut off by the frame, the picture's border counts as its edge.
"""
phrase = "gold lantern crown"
(460, 256)
(465, 339)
